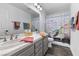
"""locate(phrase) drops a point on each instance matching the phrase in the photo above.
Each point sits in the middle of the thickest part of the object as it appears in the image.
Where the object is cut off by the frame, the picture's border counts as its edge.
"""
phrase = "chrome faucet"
(4, 39)
(11, 37)
(4, 36)
(15, 36)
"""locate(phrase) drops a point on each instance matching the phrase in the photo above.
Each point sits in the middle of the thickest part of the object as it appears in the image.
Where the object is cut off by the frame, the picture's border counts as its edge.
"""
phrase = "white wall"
(57, 17)
(58, 14)
(43, 19)
(10, 13)
(74, 34)
(75, 43)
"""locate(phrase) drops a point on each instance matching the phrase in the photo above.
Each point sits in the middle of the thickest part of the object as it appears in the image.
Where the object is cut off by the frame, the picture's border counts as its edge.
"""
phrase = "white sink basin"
(11, 47)
(9, 44)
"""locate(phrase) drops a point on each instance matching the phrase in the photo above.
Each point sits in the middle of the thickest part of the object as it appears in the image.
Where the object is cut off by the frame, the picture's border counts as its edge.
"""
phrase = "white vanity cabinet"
(27, 51)
(38, 48)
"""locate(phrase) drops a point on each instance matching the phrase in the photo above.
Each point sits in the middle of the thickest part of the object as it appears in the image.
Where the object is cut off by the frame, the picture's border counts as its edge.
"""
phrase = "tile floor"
(58, 51)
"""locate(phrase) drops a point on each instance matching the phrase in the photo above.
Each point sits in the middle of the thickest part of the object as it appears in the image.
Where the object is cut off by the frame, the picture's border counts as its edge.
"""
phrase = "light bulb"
(35, 4)
(38, 6)
(41, 8)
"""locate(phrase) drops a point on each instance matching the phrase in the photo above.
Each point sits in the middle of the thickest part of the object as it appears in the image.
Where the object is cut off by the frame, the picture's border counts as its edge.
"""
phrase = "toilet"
(50, 41)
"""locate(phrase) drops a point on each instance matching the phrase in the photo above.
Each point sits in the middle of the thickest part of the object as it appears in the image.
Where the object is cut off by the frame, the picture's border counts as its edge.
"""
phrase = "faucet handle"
(5, 39)
(2, 37)
(11, 37)
(16, 36)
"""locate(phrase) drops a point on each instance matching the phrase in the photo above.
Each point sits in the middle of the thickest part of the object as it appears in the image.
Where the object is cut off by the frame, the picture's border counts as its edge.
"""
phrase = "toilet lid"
(50, 39)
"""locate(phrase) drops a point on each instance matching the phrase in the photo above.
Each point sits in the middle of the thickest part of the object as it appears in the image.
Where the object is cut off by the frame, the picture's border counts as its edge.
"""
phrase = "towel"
(27, 39)
(43, 34)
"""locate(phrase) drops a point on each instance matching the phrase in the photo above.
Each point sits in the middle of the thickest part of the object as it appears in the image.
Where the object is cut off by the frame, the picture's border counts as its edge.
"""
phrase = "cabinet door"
(39, 53)
(45, 49)
(46, 40)
(38, 46)
(28, 52)
(25, 49)
(45, 45)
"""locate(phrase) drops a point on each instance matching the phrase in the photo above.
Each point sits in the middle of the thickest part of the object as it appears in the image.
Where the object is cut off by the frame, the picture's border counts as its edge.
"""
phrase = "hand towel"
(27, 39)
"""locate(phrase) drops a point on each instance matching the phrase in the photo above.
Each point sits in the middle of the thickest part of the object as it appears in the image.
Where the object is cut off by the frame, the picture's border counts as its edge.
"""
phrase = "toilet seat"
(50, 41)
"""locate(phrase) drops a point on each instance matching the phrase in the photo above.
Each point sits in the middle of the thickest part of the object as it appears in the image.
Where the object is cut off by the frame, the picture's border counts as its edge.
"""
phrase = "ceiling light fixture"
(41, 8)
(38, 6)
(35, 4)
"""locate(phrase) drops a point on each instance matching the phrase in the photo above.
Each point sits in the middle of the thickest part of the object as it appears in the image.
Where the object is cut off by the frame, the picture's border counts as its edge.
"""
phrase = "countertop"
(12, 50)
(21, 45)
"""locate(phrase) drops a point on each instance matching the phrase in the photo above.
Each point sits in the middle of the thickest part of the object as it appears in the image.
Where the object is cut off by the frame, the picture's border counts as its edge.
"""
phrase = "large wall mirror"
(35, 22)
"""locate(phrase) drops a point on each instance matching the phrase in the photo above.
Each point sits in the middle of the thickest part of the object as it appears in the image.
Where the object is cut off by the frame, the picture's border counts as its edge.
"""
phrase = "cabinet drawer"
(27, 52)
(39, 53)
(37, 49)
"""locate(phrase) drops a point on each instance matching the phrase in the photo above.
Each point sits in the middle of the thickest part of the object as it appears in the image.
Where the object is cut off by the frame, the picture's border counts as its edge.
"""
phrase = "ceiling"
(25, 8)
(52, 8)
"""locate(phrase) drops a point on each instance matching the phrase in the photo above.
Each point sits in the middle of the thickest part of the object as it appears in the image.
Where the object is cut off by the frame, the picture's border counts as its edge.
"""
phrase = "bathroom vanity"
(17, 48)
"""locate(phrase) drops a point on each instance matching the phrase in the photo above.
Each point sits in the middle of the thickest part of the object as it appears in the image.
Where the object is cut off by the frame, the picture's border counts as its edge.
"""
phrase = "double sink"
(9, 44)
(9, 47)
